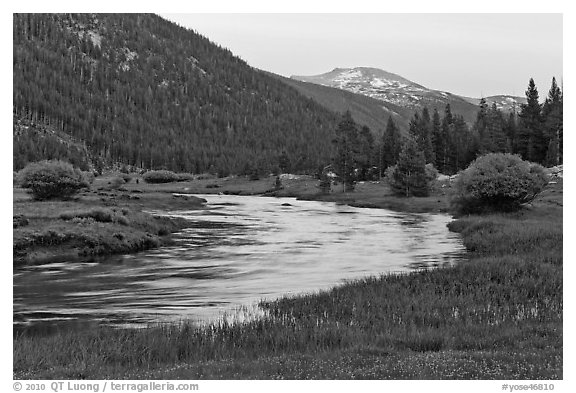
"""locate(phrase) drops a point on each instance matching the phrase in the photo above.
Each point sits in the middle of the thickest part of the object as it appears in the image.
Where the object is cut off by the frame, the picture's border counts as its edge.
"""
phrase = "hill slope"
(392, 89)
(504, 102)
(365, 110)
(139, 90)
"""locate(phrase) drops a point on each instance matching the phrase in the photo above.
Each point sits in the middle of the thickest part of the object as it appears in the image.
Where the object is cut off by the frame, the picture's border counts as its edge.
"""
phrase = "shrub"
(185, 176)
(161, 176)
(431, 173)
(89, 176)
(99, 167)
(98, 214)
(223, 172)
(19, 221)
(205, 176)
(124, 169)
(116, 182)
(52, 179)
(498, 182)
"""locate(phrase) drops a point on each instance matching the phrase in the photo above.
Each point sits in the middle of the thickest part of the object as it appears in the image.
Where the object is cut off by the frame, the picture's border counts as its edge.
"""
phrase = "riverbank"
(99, 221)
(373, 194)
(496, 316)
(112, 219)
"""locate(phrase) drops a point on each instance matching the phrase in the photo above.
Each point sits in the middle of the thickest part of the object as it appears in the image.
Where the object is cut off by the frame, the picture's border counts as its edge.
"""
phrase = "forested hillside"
(142, 91)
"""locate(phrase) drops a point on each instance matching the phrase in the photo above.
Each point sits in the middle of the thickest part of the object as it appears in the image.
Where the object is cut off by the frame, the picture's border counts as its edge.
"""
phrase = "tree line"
(447, 142)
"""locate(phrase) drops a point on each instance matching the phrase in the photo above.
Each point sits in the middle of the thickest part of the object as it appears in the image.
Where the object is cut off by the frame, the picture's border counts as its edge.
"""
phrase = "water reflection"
(239, 250)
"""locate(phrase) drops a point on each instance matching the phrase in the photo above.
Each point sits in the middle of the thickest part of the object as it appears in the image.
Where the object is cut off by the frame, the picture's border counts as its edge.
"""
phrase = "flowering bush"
(52, 179)
(160, 177)
(498, 182)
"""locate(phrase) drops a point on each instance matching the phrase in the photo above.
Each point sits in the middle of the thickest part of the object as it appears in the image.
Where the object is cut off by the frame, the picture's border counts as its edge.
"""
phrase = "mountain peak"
(365, 72)
(392, 90)
(373, 82)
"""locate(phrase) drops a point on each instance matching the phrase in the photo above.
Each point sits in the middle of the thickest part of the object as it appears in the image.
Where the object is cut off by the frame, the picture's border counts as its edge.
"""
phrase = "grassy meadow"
(103, 220)
(497, 315)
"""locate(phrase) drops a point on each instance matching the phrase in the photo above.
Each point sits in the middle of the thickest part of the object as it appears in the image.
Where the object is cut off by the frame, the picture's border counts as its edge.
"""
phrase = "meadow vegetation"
(103, 219)
(160, 177)
(52, 179)
(497, 315)
(498, 182)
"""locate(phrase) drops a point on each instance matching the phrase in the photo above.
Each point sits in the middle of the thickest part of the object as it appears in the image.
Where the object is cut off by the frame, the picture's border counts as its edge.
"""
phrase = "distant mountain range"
(396, 94)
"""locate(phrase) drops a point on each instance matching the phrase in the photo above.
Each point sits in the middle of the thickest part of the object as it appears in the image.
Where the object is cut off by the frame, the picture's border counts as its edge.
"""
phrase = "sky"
(470, 54)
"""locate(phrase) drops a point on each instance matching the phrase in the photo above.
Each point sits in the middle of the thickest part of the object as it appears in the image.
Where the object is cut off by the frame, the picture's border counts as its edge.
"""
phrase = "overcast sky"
(469, 54)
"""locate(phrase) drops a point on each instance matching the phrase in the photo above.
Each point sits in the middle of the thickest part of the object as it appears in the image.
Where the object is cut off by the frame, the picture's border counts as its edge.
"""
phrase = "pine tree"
(408, 177)
(427, 137)
(531, 142)
(480, 125)
(421, 131)
(391, 145)
(511, 130)
(552, 113)
(462, 145)
(443, 163)
(437, 137)
(366, 153)
(493, 139)
(346, 144)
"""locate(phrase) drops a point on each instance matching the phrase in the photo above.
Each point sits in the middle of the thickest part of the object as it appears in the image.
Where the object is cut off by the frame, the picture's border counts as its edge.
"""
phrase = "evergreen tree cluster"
(141, 91)
(539, 136)
(535, 133)
(445, 141)
(36, 142)
(354, 153)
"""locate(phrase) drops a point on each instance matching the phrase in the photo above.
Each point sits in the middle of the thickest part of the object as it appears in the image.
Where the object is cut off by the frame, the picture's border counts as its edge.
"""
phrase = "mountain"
(138, 90)
(505, 103)
(392, 89)
(365, 110)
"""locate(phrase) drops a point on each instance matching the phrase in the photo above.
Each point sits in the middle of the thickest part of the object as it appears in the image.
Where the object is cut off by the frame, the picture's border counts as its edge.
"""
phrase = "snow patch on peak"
(348, 74)
(377, 82)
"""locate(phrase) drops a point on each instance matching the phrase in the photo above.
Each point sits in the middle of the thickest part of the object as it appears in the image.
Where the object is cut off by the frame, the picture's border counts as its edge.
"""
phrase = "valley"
(181, 214)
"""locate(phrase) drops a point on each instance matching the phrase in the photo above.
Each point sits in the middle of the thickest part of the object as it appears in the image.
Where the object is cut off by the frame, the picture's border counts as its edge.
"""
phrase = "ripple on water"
(237, 251)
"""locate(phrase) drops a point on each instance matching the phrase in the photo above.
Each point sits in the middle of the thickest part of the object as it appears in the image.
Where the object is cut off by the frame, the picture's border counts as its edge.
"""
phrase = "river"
(241, 249)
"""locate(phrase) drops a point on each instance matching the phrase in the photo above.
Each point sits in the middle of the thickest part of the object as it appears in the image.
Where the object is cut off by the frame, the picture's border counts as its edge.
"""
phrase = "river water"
(240, 250)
